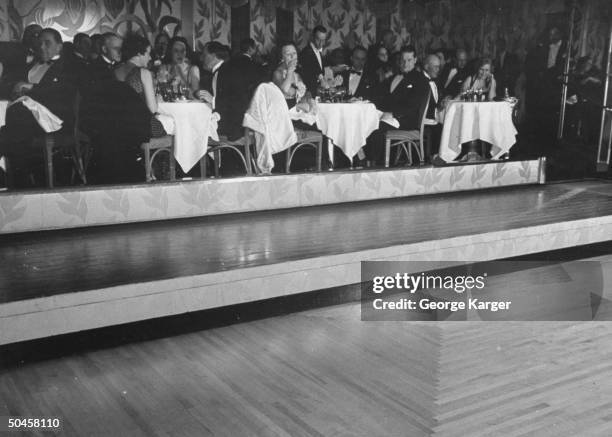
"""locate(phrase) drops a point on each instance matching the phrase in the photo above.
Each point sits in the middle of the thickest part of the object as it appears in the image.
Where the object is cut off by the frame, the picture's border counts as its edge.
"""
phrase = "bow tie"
(49, 62)
(432, 80)
(358, 73)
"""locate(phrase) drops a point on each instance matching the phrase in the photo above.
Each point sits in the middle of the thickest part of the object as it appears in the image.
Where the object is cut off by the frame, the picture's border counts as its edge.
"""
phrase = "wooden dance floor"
(126, 273)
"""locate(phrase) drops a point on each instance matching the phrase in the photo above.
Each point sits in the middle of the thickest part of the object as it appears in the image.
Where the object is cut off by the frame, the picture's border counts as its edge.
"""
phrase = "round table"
(347, 125)
(469, 121)
(194, 123)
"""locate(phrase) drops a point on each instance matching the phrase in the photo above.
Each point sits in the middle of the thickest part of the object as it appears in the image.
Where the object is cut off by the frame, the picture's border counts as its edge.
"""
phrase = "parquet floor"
(325, 373)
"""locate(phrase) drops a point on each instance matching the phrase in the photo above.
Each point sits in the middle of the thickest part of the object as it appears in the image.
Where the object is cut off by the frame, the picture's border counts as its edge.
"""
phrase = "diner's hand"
(292, 66)
(205, 96)
(21, 88)
(339, 68)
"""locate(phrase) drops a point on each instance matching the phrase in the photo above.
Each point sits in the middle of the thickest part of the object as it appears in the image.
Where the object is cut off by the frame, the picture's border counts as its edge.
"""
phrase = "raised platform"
(66, 281)
(92, 206)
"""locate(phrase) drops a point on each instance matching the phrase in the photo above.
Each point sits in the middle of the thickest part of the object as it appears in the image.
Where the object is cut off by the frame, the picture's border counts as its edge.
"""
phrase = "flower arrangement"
(330, 86)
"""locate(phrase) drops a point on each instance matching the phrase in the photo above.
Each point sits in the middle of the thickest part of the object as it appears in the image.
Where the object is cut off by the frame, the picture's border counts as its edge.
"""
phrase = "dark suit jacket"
(406, 99)
(456, 84)
(237, 80)
(13, 57)
(366, 85)
(57, 90)
(506, 74)
(101, 71)
(310, 69)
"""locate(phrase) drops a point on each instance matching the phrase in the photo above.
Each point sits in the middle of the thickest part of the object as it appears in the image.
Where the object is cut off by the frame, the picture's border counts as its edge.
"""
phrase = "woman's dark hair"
(180, 39)
(160, 36)
(134, 45)
(54, 33)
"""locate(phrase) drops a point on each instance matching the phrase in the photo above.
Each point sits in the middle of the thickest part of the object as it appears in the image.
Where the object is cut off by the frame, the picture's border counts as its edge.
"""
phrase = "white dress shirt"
(434, 93)
(354, 81)
(215, 72)
(396, 81)
(553, 51)
(318, 54)
(38, 71)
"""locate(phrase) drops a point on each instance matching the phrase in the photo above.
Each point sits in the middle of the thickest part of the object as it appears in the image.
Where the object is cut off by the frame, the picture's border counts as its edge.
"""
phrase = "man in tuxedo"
(431, 71)
(50, 82)
(544, 73)
(110, 55)
(402, 98)
(312, 60)
(79, 58)
(506, 69)
(230, 90)
(457, 74)
(253, 72)
(356, 80)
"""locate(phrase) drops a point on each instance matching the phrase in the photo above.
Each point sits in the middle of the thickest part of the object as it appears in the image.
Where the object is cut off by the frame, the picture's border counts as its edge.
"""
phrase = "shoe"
(436, 161)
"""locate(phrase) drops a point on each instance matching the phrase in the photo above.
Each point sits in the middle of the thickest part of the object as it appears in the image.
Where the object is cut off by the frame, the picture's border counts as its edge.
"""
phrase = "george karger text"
(427, 304)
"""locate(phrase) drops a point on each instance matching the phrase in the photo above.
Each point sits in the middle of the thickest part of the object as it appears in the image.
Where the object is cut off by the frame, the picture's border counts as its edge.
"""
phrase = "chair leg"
(172, 165)
(288, 161)
(203, 166)
(8, 174)
(148, 166)
(387, 152)
(319, 156)
(397, 155)
(247, 157)
(49, 143)
(217, 154)
(421, 152)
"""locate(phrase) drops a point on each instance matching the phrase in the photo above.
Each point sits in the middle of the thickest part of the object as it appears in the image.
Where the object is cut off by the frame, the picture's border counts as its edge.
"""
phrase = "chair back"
(423, 113)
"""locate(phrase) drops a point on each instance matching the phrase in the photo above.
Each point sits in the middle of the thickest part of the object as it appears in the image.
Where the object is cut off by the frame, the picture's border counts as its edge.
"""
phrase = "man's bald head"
(432, 65)
(111, 46)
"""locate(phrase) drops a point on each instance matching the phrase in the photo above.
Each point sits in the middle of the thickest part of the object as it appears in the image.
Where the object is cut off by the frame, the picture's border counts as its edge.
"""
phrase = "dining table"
(193, 123)
(465, 122)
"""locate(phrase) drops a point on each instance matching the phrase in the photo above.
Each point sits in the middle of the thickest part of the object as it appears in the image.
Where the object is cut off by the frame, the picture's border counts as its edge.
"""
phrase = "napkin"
(45, 118)
(390, 120)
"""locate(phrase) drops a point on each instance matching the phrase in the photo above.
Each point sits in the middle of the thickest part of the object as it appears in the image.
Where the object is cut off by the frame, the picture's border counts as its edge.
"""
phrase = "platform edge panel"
(94, 206)
(72, 312)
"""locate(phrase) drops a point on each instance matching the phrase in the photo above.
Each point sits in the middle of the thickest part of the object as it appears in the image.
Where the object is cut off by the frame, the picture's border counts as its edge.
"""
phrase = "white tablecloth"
(469, 121)
(3, 105)
(194, 124)
(348, 125)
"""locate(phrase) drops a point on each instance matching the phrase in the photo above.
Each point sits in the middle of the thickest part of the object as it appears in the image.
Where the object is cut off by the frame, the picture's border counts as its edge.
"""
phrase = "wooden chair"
(154, 147)
(242, 147)
(73, 142)
(310, 139)
(406, 141)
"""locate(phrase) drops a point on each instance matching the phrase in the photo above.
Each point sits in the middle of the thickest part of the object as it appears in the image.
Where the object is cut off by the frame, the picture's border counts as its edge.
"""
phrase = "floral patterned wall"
(472, 24)
(211, 21)
(90, 16)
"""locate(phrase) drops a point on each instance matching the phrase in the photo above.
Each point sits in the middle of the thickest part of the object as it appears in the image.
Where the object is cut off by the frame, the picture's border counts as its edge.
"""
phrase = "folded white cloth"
(167, 122)
(390, 120)
(45, 118)
(306, 117)
(268, 117)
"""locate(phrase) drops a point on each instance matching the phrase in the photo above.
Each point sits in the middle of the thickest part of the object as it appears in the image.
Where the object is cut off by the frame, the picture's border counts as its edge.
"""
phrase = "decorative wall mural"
(70, 17)
(472, 24)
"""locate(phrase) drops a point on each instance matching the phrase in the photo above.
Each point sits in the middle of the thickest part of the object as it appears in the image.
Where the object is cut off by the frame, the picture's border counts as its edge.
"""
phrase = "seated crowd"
(112, 81)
